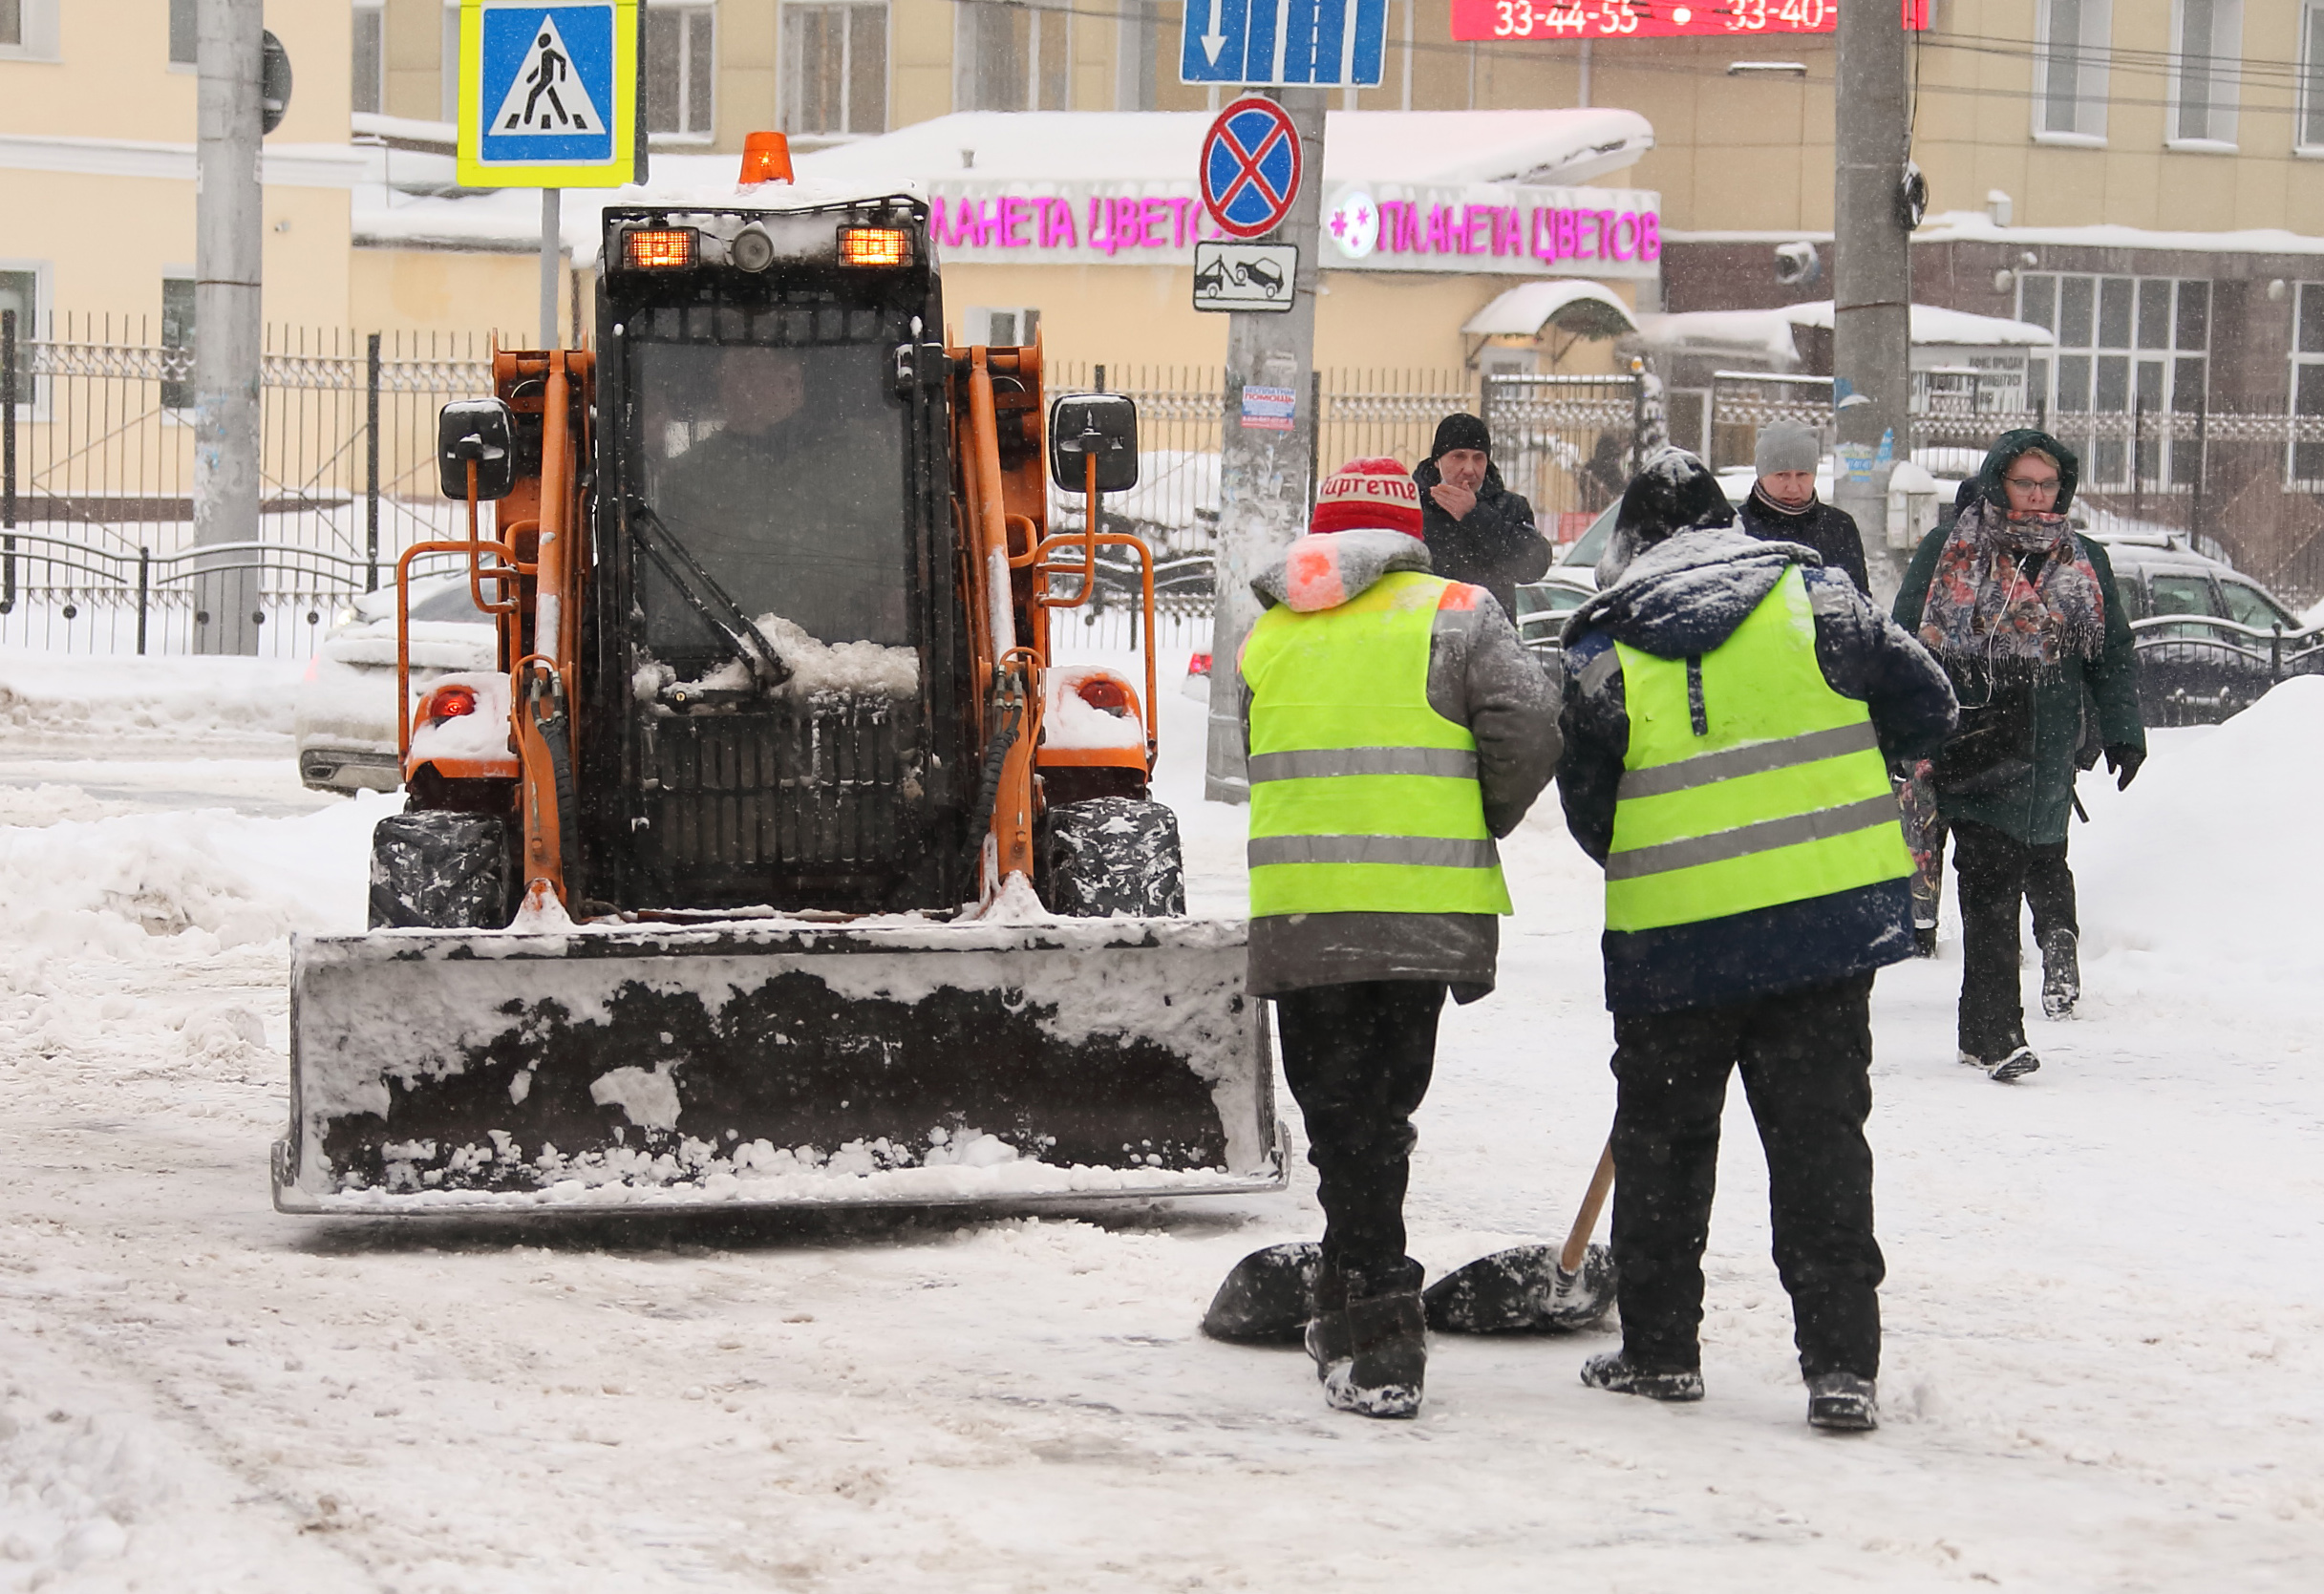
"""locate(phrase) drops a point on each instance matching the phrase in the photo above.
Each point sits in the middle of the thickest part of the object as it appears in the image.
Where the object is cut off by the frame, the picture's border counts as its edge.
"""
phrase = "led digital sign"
(1493, 20)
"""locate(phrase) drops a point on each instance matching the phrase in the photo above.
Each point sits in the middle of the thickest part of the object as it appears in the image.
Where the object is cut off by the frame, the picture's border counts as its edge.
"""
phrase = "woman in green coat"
(2021, 612)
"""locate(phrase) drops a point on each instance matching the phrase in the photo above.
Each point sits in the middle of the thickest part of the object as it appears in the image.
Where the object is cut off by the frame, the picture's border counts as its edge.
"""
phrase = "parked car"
(1542, 606)
(343, 724)
(2211, 640)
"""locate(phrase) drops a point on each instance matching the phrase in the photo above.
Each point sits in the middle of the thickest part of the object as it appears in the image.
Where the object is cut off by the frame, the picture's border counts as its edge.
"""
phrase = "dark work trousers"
(1997, 873)
(1359, 1058)
(1805, 1057)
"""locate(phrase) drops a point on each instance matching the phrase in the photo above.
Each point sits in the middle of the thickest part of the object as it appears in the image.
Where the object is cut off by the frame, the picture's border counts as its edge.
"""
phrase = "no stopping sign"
(1250, 167)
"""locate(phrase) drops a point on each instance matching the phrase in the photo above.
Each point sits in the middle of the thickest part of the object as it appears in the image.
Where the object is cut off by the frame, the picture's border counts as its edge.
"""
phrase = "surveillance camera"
(1797, 264)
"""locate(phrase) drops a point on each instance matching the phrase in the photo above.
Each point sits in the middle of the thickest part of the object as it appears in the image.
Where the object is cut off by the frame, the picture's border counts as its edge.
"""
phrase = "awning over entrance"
(1572, 307)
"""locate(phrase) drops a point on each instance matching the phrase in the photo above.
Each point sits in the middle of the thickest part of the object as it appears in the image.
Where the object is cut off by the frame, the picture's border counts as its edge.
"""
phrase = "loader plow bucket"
(774, 1063)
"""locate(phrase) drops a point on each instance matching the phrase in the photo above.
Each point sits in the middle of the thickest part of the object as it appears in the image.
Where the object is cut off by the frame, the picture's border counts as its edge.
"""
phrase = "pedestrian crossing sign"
(549, 93)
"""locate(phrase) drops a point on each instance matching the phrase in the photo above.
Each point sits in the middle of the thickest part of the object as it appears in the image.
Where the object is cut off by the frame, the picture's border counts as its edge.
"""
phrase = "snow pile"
(104, 698)
(2205, 868)
(107, 887)
(1071, 722)
(70, 1487)
(869, 669)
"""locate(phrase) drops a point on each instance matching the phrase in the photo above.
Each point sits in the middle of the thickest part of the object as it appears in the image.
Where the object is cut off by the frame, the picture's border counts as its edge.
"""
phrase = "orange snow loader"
(776, 862)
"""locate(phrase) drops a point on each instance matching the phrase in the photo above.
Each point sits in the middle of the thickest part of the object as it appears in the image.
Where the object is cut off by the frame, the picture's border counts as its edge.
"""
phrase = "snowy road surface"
(2104, 1307)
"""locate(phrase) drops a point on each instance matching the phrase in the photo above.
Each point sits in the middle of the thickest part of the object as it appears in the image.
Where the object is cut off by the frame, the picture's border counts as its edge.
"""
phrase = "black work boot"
(1371, 1349)
(2061, 973)
(1613, 1371)
(1843, 1403)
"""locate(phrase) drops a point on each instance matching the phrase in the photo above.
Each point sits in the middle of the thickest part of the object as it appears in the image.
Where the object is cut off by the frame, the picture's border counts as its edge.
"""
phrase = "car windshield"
(2248, 606)
(781, 472)
(1591, 544)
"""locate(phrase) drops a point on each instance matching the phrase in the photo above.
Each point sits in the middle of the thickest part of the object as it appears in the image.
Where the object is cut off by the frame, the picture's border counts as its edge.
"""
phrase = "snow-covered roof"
(1445, 147)
(1524, 310)
(1442, 147)
(1761, 334)
(1934, 323)
(1975, 226)
(509, 219)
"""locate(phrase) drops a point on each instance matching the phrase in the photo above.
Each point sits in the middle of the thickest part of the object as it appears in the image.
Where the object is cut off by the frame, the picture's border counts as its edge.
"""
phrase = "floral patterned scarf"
(1981, 608)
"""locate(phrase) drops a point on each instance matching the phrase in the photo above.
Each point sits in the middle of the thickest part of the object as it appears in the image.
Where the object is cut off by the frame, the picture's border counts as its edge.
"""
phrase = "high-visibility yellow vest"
(1363, 798)
(1749, 781)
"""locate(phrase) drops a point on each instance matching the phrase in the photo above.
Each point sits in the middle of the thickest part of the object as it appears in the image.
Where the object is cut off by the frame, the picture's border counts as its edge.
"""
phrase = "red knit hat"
(1368, 494)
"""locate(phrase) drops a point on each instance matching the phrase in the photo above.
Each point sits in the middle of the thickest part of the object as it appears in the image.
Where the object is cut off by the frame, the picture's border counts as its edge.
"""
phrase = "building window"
(680, 67)
(28, 29)
(178, 332)
(2128, 347)
(367, 89)
(836, 81)
(12, 24)
(183, 32)
(2070, 70)
(2308, 382)
(2310, 116)
(20, 291)
(1138, 54)
(2205, 71)
(1013, 57)
(449, 61)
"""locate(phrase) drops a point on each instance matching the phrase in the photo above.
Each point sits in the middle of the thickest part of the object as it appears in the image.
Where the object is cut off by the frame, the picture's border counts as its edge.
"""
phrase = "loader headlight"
(658, 248)
(752, 249)
(451, 702)
(875, 246)
(1105, 695)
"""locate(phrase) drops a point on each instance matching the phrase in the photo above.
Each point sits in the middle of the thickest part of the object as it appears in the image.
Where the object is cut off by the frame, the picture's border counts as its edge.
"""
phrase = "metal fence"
(1569, 444)
(98, 550)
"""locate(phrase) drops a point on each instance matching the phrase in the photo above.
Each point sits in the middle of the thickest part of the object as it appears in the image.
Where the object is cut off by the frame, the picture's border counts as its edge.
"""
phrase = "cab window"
(2182, 594)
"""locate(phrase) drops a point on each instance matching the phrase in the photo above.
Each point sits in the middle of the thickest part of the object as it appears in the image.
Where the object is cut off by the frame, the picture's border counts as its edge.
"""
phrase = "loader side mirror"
(480, 430)
(1103, 424)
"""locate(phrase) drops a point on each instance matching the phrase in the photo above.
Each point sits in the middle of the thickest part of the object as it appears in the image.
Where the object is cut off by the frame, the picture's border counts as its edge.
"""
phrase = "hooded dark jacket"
(1829, 529)
(1684, 596)
(1497, 547)
(2034, 808)
(1480, 676)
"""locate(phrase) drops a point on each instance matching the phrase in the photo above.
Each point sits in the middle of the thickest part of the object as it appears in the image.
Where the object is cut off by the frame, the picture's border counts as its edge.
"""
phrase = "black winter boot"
(1842, 1403)
(2061, 973)
(1370, 1350)
(1612, 1371)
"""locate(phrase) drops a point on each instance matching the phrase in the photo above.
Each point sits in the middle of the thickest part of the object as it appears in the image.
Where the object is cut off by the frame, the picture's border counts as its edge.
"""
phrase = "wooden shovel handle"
(1586, 1220)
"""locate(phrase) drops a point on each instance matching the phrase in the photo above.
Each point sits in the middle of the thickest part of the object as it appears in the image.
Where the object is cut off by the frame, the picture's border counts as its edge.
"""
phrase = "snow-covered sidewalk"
(2106, 1307)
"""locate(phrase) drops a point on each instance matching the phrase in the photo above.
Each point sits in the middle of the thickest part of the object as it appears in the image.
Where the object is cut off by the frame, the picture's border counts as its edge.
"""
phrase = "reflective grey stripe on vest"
(1752, 759)
(1322, 763)
(1744, 840)
(1427, 850)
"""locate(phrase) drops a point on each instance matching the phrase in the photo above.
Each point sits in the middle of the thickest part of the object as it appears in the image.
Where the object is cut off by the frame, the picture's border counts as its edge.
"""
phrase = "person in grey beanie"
(1783, 507)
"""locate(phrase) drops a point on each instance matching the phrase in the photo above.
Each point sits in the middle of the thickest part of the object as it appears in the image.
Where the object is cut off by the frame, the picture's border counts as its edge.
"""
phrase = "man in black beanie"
(1477, 530)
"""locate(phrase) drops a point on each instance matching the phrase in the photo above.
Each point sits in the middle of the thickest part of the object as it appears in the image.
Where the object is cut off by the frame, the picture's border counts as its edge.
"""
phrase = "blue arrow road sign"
(1284, 41)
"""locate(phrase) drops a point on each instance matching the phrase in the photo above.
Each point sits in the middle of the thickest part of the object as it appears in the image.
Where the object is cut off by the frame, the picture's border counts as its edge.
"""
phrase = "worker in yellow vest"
(1396, 728)
(1733, 712)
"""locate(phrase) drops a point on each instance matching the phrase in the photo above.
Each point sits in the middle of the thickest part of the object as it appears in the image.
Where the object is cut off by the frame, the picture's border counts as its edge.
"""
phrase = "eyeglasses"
(2030, 485)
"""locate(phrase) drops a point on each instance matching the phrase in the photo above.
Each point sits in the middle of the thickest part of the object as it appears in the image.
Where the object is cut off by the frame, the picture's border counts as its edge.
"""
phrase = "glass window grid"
(2305, 463)
(367, 69)
(2070, 69)
(2206, 68)
(681, 72)
(1015, 56)
(835, 81)
(2125, 345)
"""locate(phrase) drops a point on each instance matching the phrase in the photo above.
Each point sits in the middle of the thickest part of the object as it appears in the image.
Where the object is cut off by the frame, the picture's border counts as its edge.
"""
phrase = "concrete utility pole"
(229, 233)
(1872, 269)
(1263, 486)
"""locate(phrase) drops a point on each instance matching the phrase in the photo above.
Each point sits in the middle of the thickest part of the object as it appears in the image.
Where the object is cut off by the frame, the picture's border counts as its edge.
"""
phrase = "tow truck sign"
(1244, 276)
(549, 93)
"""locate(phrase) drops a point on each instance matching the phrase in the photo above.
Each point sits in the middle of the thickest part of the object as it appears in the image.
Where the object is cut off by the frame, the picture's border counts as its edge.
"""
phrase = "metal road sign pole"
(1264, 472)
(1872, 270)
(227, 250)
(552, 249)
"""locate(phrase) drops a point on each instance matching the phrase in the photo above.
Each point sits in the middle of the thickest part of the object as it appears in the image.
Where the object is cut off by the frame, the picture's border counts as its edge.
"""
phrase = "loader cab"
(770, 619)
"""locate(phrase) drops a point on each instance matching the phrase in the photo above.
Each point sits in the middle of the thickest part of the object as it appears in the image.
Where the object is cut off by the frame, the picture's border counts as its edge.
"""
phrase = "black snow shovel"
(1270, 1293)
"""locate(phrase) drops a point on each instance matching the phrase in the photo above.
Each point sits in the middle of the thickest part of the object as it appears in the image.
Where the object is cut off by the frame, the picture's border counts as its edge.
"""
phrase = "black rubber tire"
(443, 871)
(1110, 855)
